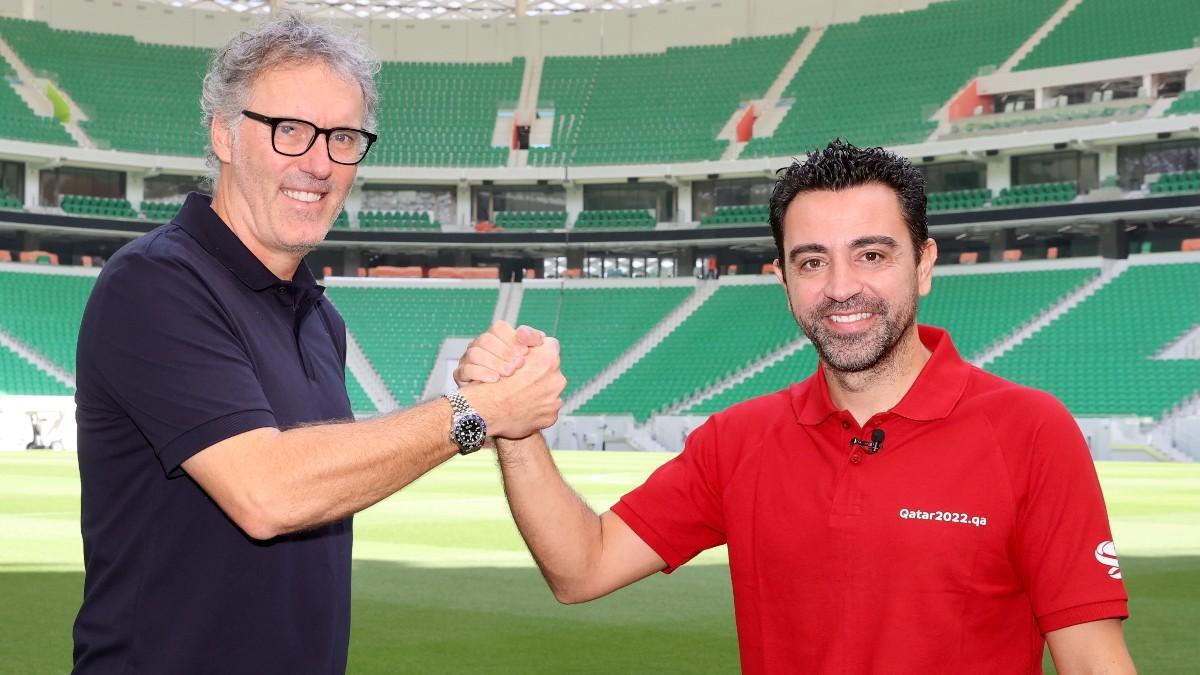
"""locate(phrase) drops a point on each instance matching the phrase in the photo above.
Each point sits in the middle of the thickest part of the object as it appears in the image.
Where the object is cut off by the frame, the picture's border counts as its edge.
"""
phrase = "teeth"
(303, 196)
(849, 318)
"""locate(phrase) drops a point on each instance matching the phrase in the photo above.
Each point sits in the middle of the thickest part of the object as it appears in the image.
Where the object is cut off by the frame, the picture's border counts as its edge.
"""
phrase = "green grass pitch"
(443, 584)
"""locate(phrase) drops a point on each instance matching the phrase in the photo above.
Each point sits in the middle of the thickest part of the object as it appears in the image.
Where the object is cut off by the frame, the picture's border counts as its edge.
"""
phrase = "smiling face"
(279, 206)
(852, 276)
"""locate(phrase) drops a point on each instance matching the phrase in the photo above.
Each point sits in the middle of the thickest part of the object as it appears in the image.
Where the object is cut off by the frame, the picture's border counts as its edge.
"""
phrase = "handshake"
(512, 377)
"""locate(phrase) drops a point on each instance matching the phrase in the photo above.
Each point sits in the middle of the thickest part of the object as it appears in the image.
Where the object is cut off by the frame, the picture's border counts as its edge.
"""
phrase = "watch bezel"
(469, 442)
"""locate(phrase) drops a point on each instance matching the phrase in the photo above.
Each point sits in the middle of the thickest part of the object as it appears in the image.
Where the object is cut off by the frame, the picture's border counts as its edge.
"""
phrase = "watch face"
(470, 431)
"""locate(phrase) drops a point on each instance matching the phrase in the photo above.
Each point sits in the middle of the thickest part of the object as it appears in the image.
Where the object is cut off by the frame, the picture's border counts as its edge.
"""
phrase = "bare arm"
(582, 556)
(272, 482)
(1093, 648)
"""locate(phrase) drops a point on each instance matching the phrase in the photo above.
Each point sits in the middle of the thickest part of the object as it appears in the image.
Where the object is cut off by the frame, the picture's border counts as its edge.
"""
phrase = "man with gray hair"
(218, 460)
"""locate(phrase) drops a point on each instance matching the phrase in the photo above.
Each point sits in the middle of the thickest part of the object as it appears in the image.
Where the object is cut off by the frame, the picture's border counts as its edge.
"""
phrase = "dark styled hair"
(839, 166)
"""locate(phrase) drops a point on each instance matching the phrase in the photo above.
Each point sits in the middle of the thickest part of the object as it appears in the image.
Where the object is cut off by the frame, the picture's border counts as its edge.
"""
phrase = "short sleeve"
(156, 341)
(1066, 555)
(677, 511)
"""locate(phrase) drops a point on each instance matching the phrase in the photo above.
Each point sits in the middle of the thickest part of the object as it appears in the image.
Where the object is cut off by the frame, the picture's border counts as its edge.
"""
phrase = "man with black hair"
(899, 511)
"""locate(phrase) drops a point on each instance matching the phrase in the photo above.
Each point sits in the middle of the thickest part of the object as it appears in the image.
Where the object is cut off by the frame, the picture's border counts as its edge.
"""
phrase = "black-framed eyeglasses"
(293, 137)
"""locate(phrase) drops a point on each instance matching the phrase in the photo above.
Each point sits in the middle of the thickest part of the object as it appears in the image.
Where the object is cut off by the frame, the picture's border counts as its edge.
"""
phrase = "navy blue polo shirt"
(188, 340)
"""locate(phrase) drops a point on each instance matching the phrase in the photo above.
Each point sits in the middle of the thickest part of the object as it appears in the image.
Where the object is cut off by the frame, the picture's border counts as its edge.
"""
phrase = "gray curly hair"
(289, 39)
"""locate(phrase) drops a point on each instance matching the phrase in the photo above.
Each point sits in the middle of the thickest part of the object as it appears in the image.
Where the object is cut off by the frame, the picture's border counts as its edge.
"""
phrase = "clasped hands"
(512, 377)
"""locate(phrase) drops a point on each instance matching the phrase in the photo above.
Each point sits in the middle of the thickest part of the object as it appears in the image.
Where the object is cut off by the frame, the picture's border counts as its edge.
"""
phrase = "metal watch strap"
(459, 403)
(461, 413)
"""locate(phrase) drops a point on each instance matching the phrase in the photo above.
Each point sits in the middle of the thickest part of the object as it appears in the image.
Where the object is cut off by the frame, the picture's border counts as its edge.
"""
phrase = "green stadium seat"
(1109, 29)
(845, 89)
(401, 328)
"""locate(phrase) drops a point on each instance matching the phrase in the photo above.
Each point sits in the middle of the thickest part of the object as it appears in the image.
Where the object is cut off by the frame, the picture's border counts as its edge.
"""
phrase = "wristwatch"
(467, 427)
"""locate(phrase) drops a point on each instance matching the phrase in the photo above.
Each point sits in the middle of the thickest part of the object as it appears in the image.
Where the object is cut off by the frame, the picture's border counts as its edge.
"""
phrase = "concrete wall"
(614, 32)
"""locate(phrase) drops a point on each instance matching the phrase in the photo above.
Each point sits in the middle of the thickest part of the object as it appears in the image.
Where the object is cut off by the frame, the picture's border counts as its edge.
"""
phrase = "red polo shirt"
(977, 528)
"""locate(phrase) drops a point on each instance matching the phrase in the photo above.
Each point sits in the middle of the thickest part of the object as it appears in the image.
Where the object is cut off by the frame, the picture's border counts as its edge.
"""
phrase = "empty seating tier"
(19, 377)
(958, 199)
(980, 310)
(714, 343)
(1036, 193)
(360, 403)
(596, 325)
(1101, 357)
(443, 114)
(646, 108)
(160, 211)
(137, 96)
(401, 328)
(1180, 181)
(797, 366)
(616, 219)
(755, 214)
(44, 312)
(396, 220)
(18, 121)
(1109, 29)
(107, 207)
(846, 89)
(1188, 103)
(531, 220)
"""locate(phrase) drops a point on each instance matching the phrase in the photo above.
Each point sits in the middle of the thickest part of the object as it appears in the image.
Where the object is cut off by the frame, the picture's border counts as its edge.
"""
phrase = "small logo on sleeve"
(1106, 554)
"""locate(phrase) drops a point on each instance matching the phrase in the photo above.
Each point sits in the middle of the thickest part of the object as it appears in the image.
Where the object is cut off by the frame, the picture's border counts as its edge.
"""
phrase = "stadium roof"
(404, 10)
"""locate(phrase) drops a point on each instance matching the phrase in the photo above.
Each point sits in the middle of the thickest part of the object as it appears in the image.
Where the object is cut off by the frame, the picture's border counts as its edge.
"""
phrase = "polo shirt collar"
(198, 219)
(933, 395)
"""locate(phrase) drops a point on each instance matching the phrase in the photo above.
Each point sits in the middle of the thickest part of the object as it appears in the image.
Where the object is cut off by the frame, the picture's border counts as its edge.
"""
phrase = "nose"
(316, 161)
(842, 282)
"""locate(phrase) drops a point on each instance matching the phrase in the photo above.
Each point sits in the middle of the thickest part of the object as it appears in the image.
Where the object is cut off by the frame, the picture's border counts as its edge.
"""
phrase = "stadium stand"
(531, 220)
(44, 311)
(1187, 104)
(575, 315)
(401, 328)
(644, 108)
(1179, 181)
(19, 377)
(792, 368)
(1122, 326)
(1109, 29)
(1037, 193)
(160, 211)
(704, 350)
(19, 121)
(958, 199)
(138, 97)
(1012, 299)
(396, 220)
(845, 89)
(443, 114)
(9, 201)
(755, 214)
(98, 206)
(616, 219)
(360, 403)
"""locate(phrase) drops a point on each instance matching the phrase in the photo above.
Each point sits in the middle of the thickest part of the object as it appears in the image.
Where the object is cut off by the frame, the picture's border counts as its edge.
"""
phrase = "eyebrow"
(875, 240)
(800, 249)
(861, 242)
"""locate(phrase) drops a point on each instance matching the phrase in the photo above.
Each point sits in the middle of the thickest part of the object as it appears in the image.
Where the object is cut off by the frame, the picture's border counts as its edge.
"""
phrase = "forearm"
(562, 532)
(288, 481)
(1093, 648)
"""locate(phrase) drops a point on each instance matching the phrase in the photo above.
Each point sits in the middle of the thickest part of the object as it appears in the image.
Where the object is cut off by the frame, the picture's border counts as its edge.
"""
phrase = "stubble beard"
(863, 352)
